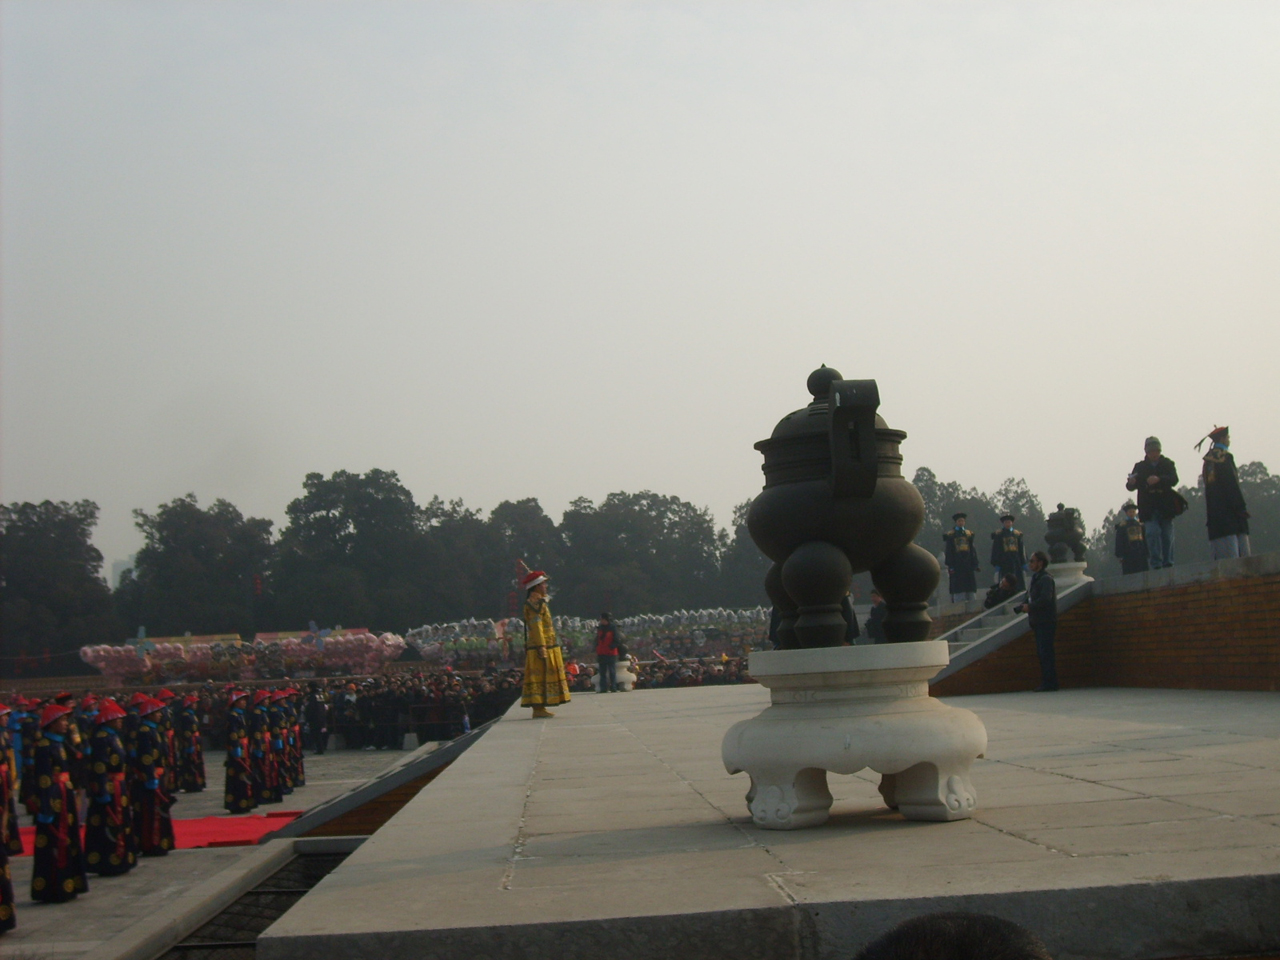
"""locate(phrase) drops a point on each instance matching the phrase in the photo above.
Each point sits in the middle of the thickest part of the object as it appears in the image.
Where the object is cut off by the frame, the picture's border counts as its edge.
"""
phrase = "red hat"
(109, 710)
(4, 710)
(51, 713)
(63, 695)
(235, 695)
(260, 695)
(21, 702)
(151, 706)
(533, 578)
(190, 700)
(138, 699)
(165, 694)
(88, 702)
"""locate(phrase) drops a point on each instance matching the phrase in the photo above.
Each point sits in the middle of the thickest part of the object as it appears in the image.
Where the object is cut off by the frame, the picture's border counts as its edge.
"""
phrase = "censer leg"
(817, 576)
(789, 800)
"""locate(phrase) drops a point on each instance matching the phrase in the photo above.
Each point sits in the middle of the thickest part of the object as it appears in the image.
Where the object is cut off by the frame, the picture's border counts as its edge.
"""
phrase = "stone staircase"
(992, 629)
(980, 627)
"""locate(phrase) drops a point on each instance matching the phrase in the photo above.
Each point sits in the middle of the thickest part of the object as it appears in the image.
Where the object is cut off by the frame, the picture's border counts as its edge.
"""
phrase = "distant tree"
(944, 499)
(466, 572)
(1014, 496)
(638, 553)
(742, 566)
(525, 533)
(201, 570)
(354, 553)
(54, 597)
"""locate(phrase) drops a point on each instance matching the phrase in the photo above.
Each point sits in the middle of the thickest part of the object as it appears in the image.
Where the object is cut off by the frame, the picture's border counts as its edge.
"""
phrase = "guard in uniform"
(266, 778)
(151, 800)
(294, 705)
(190, 747)
(8, 817)
(57, 873)
(109, 843)
(1228, 517)
(168, 735)
(962, 560)
(1007, 554)
(240, 795)
(30, 734)
(11, 834)
(1131, 541)
(281, 757)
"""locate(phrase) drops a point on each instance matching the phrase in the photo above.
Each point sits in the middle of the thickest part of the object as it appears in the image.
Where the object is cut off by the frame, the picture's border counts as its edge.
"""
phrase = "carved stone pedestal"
(1068, 574)
(843, 709)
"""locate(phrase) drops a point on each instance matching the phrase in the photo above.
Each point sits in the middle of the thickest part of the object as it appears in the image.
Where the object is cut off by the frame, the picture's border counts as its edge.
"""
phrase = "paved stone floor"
(56, 931)
(626, 796)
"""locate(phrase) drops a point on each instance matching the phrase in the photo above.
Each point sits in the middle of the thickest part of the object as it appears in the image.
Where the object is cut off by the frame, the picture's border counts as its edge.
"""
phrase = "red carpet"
(208, 831)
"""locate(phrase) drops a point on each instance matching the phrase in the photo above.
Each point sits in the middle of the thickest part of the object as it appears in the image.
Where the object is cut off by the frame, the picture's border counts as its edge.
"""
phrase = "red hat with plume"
(110, 710)
(51, 713)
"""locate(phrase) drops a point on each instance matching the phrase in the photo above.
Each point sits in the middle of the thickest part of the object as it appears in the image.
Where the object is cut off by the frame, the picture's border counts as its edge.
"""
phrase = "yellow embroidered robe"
(544, 680)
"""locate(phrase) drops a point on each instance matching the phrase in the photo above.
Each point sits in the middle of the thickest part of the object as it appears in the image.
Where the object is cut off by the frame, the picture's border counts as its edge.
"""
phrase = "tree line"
(359, 550)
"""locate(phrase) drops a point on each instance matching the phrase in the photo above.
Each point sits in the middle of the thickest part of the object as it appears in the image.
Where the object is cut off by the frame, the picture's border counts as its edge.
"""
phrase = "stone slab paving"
(56, 931)
(614, 830)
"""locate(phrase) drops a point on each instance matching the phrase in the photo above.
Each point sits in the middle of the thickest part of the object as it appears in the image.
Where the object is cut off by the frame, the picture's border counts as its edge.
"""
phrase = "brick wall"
(1221, 634)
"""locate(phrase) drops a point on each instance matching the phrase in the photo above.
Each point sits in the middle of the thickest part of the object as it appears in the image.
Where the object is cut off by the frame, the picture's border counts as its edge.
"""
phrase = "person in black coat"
(316, 711)
(1228, 517)
(962, 561)
(1041, 608)
(1006, 589)
(875, 619)
(1007, 554)
(1155, 478)
(1131, 541)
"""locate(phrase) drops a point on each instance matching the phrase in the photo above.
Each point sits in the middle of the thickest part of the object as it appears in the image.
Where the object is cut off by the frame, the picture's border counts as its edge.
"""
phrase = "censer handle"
(854, 465)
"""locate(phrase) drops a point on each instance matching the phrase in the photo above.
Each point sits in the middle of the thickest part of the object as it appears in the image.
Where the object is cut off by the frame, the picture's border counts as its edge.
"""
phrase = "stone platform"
(1113, 822)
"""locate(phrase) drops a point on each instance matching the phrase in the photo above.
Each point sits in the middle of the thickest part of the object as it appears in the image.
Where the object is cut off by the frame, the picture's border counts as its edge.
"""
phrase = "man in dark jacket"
(1228, 517)
(316, 712)
(1041, 609)
(875, 619)
(1155, 479)
(1131, 541)
(962, 560)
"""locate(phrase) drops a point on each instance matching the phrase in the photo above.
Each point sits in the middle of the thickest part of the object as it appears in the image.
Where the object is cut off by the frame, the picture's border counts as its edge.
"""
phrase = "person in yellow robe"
(544, 681)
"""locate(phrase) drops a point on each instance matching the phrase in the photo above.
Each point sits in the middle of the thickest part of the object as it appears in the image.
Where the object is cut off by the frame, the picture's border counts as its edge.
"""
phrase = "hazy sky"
(553, 250)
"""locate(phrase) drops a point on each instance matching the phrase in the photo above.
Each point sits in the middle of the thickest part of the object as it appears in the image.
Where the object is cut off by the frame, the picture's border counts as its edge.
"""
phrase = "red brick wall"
(1218, 635)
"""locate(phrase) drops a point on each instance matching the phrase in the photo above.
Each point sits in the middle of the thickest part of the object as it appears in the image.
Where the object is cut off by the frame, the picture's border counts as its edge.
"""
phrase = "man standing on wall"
(1131, 541)
(1228, 517)
(1041, 609)
(1155, 478)
(962, 561)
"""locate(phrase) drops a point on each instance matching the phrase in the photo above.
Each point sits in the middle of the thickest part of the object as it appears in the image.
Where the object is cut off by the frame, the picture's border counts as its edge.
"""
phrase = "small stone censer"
(834, 504)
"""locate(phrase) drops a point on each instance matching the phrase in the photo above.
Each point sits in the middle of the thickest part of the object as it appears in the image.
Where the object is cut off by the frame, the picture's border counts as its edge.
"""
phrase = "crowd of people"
(114, 768)
(1143, 537)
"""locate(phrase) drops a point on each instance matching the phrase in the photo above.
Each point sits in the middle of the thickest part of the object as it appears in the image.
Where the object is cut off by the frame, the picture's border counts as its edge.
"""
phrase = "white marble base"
(1068, 574)
(843, 709)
